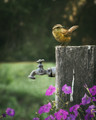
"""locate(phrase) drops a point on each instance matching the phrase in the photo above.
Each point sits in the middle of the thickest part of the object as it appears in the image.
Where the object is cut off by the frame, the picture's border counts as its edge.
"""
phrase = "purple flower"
(85, 85)
(93, 90)
(61, 114)
(45, 108)
(36, 118)
(74, 109)
(50, 90)
(93, 98)
(86, 100)
(91, 109)
(10, 112)
(71, 117)
(88, 116)
(50, 118)
(3, 115)
(66, 89)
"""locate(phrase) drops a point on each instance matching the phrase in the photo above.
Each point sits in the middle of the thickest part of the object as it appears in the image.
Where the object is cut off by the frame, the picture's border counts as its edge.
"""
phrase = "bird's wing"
(69, 31)
(65, 32)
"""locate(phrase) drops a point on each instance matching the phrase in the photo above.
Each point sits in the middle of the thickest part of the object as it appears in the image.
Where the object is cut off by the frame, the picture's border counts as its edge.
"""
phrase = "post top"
(81, 46)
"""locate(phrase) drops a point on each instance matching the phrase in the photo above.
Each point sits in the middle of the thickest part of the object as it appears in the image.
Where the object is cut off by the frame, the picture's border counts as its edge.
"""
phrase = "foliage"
(25, 26)
(19, 92)
(86, 110)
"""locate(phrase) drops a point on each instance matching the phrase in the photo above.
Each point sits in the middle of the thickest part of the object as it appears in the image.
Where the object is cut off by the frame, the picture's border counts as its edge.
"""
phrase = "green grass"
(21, 93)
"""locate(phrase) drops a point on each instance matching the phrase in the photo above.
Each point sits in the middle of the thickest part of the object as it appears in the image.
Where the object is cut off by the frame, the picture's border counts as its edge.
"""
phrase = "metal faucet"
(40, 70)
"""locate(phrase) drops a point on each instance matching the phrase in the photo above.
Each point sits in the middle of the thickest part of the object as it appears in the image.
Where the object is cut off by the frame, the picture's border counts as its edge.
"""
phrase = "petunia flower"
(85, 85)
(3, 115)
(66, 89)
(93, 98)
(50, 118)
(71, 117)
(88, 116)
(10, 112)
(86, 100)
(91, 109)
(93, 90)
(45, 108)
(74, 109)
(61, 114)
(50, 90)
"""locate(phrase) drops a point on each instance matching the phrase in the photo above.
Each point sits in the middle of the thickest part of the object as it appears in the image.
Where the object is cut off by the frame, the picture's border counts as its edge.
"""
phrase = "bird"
(63, 35)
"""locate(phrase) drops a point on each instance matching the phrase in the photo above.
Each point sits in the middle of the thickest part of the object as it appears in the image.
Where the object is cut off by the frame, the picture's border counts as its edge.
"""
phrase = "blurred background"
(26, 36)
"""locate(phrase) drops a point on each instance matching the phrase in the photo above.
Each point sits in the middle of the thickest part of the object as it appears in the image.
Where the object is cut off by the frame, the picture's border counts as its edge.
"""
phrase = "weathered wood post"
(75, 66)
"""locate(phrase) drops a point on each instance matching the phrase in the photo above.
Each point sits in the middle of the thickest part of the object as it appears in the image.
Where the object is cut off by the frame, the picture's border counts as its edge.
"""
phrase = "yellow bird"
(63, 35)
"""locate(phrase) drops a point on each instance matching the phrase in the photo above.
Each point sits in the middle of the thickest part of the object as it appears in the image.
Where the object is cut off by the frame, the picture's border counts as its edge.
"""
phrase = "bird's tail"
(72, 29)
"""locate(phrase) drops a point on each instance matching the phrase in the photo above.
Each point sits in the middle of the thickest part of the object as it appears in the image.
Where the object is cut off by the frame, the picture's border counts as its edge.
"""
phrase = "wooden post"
(75, 66)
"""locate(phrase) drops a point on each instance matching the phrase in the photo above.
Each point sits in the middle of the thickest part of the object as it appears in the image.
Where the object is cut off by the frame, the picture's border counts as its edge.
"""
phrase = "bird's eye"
(58, 27)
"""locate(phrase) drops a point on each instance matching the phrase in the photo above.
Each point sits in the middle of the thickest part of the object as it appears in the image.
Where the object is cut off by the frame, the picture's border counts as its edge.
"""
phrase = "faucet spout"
(40, 70)
(32, 74)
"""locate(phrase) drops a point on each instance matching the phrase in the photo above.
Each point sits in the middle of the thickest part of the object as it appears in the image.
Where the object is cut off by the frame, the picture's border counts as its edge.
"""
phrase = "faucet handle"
(40, 60)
